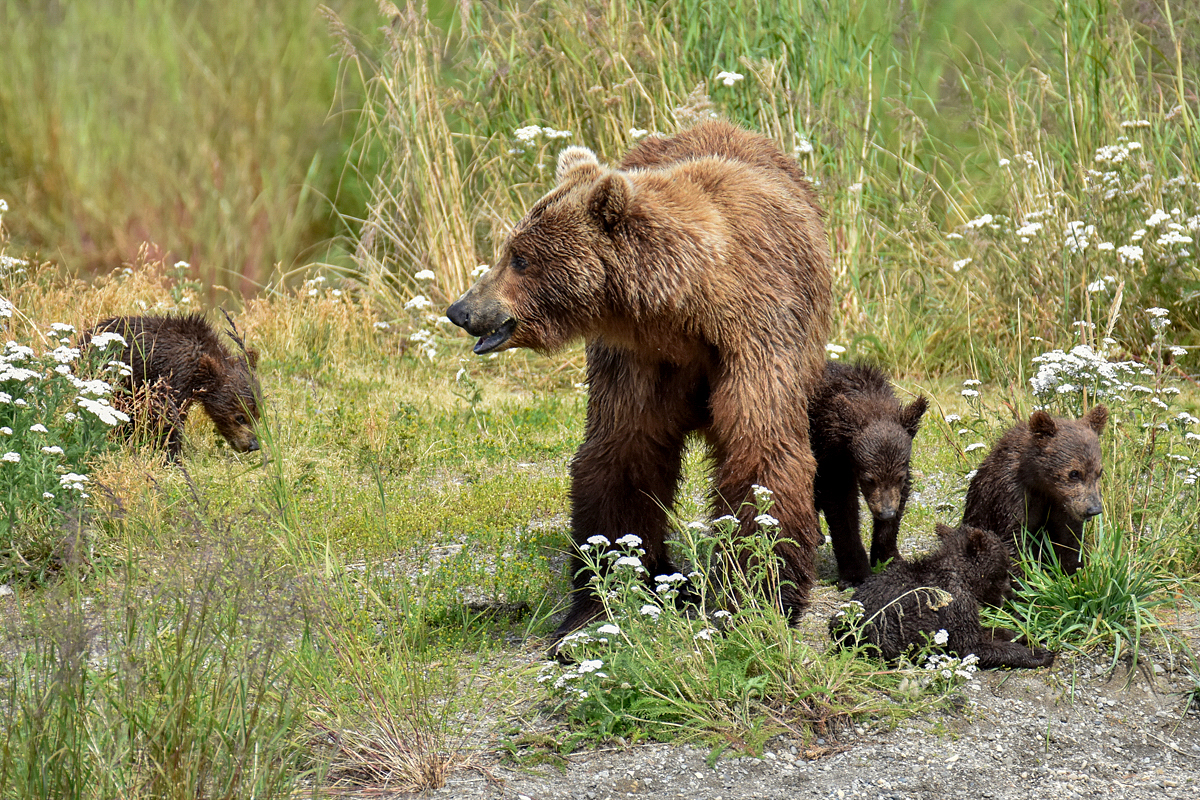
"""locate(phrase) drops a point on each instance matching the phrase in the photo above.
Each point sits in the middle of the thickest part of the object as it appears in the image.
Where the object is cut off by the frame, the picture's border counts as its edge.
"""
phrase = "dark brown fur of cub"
(179, 360)
(862, 440)
(1039, 484)
(908, 603)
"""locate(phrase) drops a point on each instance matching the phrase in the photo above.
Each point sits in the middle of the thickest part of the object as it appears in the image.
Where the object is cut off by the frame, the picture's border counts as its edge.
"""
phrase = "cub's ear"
(1096, 418)
(979, 539)
(945, 531)
(252, 357)
(208, 373)
(609, 199)
(1042, 425)
(576, 162)
(910, 415)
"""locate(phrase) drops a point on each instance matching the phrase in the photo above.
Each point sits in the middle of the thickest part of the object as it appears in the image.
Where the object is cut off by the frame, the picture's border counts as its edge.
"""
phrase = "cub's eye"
(1075, 475)
(519, 264)
(240, 419)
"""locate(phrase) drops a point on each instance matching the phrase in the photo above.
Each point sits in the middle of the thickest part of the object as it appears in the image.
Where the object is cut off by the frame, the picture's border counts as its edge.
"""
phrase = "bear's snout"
(490, 321)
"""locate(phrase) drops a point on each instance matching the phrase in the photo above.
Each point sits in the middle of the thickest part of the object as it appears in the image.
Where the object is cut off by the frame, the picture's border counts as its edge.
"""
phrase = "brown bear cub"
(175, 361)
(909, 602)
(1039, 484)
(698, 274)
(862, 439)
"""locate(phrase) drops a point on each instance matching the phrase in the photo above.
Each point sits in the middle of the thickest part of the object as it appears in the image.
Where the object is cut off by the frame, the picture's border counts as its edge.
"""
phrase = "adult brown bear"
(698, 274)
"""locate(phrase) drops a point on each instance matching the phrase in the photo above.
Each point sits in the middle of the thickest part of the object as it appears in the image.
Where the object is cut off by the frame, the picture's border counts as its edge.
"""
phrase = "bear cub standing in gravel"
(175, 361)
(908, 603)
(862, 440)
(1039, 484)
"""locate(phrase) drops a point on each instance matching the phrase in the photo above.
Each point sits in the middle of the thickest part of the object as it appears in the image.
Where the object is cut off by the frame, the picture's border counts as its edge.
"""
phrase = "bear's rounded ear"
(910, 415)
(1042, 425)
(944, 531)
(252, 357)
(609, 199)
(1097, 418)
(208, 372)
(978, 539)
(576, 159)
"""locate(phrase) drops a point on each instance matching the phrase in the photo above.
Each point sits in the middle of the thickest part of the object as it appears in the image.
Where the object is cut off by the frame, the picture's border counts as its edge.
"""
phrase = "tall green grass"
(913, 130)
(406, 522)
(210, 130)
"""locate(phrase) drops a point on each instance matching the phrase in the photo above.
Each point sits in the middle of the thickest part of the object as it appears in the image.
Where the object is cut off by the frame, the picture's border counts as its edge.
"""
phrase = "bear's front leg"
(625, 474)
(885, 533)
(837, 497)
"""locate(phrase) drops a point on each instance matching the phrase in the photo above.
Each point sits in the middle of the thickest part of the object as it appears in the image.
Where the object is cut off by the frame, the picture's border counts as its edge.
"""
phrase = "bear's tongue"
(493, 340)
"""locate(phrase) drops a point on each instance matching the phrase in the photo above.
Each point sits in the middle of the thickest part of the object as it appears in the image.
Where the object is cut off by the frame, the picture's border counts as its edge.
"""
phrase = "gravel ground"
(1076, 729)
(1070, 731)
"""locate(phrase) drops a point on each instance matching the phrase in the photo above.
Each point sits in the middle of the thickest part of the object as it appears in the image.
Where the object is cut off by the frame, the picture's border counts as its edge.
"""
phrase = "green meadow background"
(365, 601)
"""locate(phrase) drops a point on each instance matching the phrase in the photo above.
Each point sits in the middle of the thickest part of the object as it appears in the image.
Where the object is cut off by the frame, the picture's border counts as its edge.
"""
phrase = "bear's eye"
(240, 419)
(1075, 475)
(519, 264)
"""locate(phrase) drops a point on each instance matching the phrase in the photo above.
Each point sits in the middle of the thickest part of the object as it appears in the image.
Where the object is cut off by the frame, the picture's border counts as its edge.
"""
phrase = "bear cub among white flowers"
(907, 605)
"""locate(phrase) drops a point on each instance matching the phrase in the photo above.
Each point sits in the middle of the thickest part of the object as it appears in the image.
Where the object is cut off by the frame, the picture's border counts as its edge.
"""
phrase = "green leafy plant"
(1114, 601)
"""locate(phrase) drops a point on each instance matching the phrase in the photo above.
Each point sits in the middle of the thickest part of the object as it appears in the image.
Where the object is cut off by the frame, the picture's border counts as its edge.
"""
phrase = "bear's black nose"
(459, 314)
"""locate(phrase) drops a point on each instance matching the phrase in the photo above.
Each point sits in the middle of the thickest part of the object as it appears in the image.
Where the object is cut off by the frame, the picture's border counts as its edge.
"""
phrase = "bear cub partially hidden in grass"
(179, 360)
(1039, 484)
(908, 603)
(862, 440)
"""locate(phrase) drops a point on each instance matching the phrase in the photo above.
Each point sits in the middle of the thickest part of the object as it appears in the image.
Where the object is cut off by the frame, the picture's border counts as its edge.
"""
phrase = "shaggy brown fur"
(698, 274)
(862, 439)
(178, 360)
(909, 602)
(1040, 483)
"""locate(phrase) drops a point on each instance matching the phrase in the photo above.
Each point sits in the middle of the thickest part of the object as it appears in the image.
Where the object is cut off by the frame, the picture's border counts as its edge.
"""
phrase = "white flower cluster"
(1078, 236)
(949, 667)
(1062, 373)
(530, 133)
(424, 341)
(729, 78)
(1116, 153)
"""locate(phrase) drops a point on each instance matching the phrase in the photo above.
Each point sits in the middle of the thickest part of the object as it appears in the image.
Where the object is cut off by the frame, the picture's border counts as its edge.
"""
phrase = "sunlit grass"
(408, 515)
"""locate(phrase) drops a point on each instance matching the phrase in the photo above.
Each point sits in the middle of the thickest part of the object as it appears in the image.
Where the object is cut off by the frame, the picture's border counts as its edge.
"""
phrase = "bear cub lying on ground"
(1039, 484)
(175, 361)
(908, 603)
(862, 440)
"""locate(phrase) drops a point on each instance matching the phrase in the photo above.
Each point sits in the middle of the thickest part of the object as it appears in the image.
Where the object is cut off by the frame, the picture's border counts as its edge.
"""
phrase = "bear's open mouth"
(496, 338)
